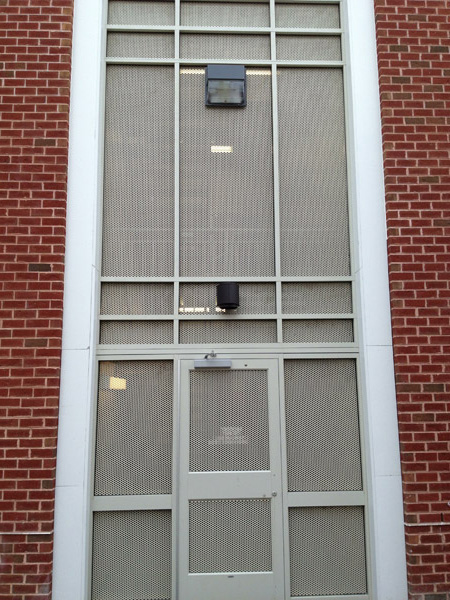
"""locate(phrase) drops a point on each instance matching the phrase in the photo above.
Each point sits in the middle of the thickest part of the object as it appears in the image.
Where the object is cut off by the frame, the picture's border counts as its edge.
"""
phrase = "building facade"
(277, 473)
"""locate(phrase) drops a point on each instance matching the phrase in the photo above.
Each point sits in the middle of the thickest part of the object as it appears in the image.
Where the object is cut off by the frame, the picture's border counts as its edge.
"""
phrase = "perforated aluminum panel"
(228, 332)
(320, 332)
(327, 551)
(131, 555)
(134, 428)
(136, 332)
(139, 163)
(226, 199)
(313, 183)
(311, 47)
(229, 536)
(325, 16)
(310, 298)
(322, 426)
(225, 14)
(140, 45)
(229, 423)
(137, 299)
(224, 46)
(254, 298)
(138, 12)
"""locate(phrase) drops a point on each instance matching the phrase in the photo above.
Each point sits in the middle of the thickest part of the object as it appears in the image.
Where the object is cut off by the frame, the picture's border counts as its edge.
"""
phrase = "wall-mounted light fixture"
(226, 86)
(228, 295)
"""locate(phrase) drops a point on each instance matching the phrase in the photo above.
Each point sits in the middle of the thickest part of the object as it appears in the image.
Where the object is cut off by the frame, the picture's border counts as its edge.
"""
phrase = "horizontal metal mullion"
(211, 29)
(144, 502)
(299, 499)
(141, 28)
(267, 347)
(168, 317)
(314, 316)
(269, 279)
(195, 351)
(333, 597)
(210, 61)
(226, 317)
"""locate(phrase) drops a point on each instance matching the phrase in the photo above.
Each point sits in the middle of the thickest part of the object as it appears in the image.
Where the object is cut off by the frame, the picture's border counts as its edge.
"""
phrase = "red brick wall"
(414, 70)
(35, 40)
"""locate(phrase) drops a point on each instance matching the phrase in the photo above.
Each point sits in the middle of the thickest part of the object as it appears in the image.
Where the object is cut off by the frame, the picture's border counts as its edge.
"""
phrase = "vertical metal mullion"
(176, 223)
(276, 178)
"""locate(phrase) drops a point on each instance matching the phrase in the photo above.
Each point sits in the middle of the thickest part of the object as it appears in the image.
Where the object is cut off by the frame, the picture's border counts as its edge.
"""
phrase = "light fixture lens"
(225, 92)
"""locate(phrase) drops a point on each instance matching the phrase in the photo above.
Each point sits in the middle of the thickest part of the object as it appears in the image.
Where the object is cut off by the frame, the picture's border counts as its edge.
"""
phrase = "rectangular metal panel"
(324, 16)
(254, 298)
(136, 299)
(131, 555)
(134, 428)
(224, 46)
(313, 173)
(322, 425)
(138, 12)
(229, 421)
(227, 536)
(138, 210)
(309, 47)
(310, 298)
(226, 199)
(318, 332)
(228, 332)
(136, 332)
(327, 551)
(140, 45)
(225, 14)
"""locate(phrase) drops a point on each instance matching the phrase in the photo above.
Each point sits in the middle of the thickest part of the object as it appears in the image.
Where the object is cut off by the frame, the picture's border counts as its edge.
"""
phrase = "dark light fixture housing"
(228, 295)
(226, 86)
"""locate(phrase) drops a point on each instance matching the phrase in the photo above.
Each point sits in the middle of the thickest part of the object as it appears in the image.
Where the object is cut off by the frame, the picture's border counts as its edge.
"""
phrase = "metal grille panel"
(131, 555)
(319, 332)
(136, 332)
(229, 536)
(137, 12)
(255, 298)
(225, 14)
(327, 551)
(325, 16)
(311, 47)
(314, 227)
(140, 45)
(224, 46)
(134, 428)
(136, 299)
(229, 428)
(310, 298)
(228, 332)
(226, 199)
(139, 163)
(322, 426)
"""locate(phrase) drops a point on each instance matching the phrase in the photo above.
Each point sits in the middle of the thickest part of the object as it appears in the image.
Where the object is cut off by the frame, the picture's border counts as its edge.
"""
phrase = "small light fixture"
(225, 86)
(228, 295)
(117, 383)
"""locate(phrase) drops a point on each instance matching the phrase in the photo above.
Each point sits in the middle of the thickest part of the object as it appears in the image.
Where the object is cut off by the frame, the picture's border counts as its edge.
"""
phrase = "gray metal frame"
(278, 351)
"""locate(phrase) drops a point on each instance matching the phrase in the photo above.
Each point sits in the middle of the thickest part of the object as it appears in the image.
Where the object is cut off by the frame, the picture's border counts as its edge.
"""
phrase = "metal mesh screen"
(310, 298)
(228, 332)
(131, 555)
(138, 12)
(224, 46)
(327, 551)
(134, 428)
(138, 183)
(322, 426)
(228, 536)
(311, 47)
(136, 332)
(325, 16)
(226, 199)
(313, 183)
(140, 45)
(225, 14)
(254, 298)
(312, 331)
(136, 299)
(229, 427)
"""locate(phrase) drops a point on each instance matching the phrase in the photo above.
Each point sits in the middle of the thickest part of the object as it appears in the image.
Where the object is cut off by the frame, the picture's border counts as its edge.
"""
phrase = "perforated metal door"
(231, 540)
